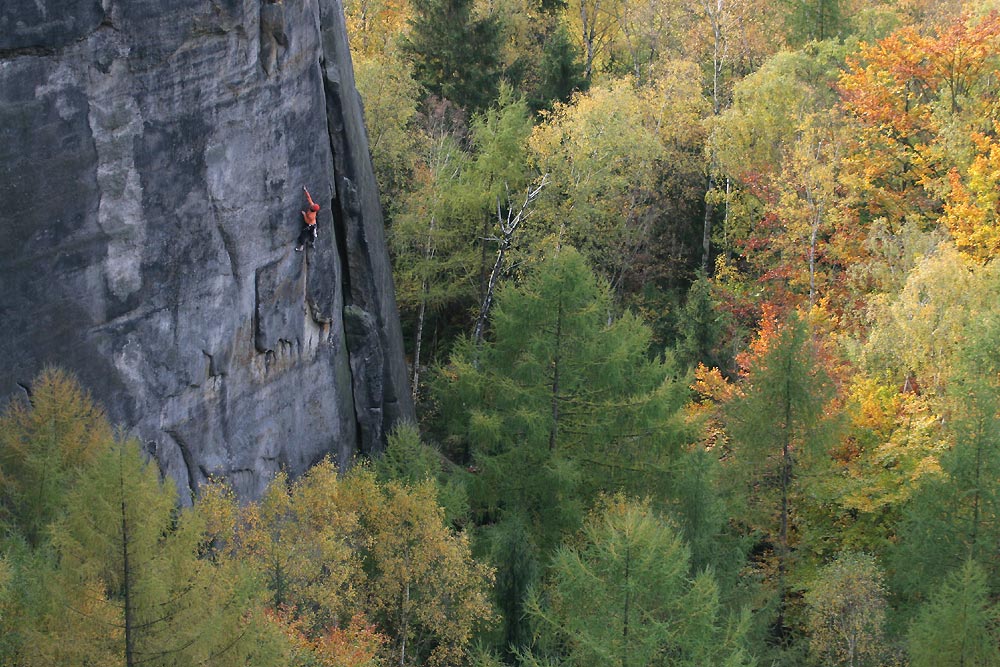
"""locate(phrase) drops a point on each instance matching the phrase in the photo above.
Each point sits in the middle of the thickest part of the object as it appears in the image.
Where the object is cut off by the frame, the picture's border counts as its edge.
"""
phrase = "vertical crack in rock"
(383, 394)
(340, 236)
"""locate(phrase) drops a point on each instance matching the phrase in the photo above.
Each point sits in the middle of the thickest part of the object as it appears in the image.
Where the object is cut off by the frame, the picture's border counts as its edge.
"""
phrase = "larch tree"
(622, 595)
(776, 427)
(129, 555)
(957, 626)
(43, 446)
(560, 403)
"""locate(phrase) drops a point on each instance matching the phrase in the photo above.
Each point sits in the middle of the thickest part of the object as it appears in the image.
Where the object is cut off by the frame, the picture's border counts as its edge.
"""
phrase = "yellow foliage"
(340, 551)
(972, 208)
(909, 443)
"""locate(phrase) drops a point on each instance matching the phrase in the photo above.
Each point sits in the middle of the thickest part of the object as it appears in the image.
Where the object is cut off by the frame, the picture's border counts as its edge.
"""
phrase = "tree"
(516, 559)
(607, 153)
(456, 56)
(846, 604)
(701, 326)
(923, 106)
(424, 588)
(43, 447)
(958, 507)
(816, 20)
(775, 426)
(497, 176)
(560, 70)
(391, 97)
(339, 554)
(623, 596)
(781, 148)
(562, 402)
(129, 563)
(919, 333)
(957, 627)
(432, 237)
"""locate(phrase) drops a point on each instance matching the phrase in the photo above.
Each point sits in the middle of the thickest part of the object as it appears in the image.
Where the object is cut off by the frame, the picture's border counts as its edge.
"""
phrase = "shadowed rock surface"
(152, 158)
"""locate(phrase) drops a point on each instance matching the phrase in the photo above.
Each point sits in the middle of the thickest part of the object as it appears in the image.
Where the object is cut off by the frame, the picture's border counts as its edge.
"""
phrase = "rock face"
(152, 158)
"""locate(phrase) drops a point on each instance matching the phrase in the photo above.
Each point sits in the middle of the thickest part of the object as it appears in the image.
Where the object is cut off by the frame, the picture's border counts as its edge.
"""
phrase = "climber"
(309, 219)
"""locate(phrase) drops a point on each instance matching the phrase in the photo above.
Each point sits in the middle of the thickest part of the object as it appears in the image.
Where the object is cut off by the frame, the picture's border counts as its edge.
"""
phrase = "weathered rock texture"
(152, 158)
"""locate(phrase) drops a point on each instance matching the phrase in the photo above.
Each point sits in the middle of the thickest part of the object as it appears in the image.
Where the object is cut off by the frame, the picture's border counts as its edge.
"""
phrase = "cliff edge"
(152, 158)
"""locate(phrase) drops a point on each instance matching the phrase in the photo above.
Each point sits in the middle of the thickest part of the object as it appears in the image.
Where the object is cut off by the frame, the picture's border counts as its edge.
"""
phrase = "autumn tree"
(340, 554)
(959, 506)
(130, 558)
(923, 108)
(607, 154)
(425, 590)
(391, 97)
(919, 332)
(781, 148)
(846, 612)
(43, 446)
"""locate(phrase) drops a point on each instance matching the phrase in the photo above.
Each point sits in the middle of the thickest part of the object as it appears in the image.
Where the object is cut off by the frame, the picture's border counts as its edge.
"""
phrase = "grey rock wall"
(152, 158)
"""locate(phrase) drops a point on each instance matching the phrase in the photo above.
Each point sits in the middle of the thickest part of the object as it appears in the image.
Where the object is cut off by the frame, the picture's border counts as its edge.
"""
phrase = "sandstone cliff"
(152, 155)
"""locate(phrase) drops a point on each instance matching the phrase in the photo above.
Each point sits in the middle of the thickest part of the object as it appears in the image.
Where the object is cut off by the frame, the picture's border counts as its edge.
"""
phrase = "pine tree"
(456, 56)
(700, 327)
(515, 558)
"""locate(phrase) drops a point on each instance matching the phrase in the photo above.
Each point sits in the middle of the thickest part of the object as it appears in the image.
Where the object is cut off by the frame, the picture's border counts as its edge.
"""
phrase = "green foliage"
(456, 55)
(391, 97)
(408, 460)
(778, 428)
(956, 514)
(817, 20)
(131, 560)
(43, 448)
(516, 559)
(562, 403)
(701, 326)
(560, 71)
(622, 595)
(958, 625)
(608, 153)
(920, 331)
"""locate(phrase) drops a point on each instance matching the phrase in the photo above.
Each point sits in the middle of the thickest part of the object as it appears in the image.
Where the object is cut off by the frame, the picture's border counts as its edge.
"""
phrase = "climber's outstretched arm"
(311, 202)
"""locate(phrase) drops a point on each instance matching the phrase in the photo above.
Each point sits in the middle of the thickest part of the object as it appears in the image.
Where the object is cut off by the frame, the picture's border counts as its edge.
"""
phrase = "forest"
(703, 317)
